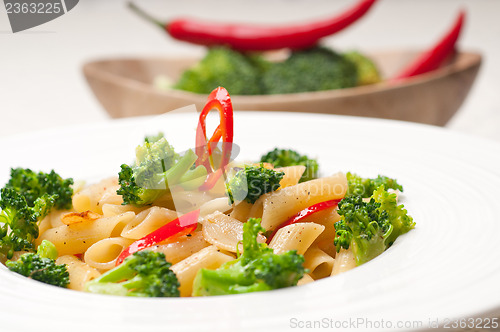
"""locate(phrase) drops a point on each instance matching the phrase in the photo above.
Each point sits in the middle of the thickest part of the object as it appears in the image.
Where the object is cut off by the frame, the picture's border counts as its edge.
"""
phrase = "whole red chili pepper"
(220, 100)
(183, 225)
(259, 37)
(434, 57)
(305, 213)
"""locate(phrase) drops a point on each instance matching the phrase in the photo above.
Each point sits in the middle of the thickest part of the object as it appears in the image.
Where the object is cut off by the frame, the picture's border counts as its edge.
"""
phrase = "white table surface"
(41, 84)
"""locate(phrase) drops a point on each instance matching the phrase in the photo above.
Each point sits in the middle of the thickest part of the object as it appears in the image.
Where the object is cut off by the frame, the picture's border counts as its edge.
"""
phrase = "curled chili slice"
(305, 213)
(220, 100)
(248, 37)
(434, 57)
(183, 225)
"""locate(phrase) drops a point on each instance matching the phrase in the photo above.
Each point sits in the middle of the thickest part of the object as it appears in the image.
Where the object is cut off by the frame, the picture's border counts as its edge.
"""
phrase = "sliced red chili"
(183, 225)
(305, 213)
(251, 37)
(434, 57)
(220, 100)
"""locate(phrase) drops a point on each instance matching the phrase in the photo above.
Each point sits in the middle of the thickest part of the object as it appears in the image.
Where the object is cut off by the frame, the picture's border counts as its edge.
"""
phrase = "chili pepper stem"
(145, 15)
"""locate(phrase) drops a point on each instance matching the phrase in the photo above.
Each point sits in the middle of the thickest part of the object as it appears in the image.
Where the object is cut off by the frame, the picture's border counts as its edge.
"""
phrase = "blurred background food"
(115, 33)
(314, 69)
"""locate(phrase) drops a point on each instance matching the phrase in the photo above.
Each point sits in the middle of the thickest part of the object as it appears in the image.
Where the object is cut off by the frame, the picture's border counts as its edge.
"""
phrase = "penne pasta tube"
(241, 211)
(292, 175)
(79, 272)
(148, 221)
(77, 238)
(279, 206)
(225, 232)
(110, 210)
(319, 263)
(183, 248)
(218, 204)
(102, 255)
(297, 236)
(305, 280)
(344, 261)
(93, 197)
(207, 258)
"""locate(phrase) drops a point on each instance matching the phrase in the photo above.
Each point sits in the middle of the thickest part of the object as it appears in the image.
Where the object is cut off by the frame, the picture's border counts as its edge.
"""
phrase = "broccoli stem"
(194, 178)
(119, 273)
(223, 282)
(173, 175)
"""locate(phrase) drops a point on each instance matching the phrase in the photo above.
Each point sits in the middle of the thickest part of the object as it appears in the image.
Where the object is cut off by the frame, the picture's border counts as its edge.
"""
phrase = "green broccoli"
(223, 67)
(398, 216)
(365, 187)
(315, 69)
(18, 220)
(33, 185)
(251, 182)
(369, 228)
(284, 157)
(368, 72)
(154, 138)
(257, 269)
(143, 274)
(41, 266)
(157, 167)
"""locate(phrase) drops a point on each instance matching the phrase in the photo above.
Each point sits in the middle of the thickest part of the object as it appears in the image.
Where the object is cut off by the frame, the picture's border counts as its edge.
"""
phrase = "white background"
(41, 84)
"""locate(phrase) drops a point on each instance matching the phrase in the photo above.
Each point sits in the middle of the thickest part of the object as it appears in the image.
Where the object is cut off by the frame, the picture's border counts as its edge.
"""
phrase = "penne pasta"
(93, 197)
(277, 207)
(183, 248)
(79, 272)
(147, 221)
(305, 280)
(297, 236)
(177, 216)
(225, 232)
(77, 238)
(102, 255)
(292, 175)
(241, 211)
(207, 258)
(344, 261)
(319, 263)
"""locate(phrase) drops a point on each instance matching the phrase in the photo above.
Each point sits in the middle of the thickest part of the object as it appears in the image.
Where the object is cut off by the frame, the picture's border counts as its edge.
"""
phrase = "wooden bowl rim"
(464, 60)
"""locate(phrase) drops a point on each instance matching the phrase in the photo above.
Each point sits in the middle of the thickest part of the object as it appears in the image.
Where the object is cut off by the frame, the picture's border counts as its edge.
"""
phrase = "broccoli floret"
(154, 138)
(18, 220)
(365, 187)
(33, 185)
(223, 67)
(251, 182)
(398, 216)
(41, 266)
(315, 69)
(368, 72)
(257, 269)
(363, 228)
(369, 228)
(156, 168)
(284, 158)
(143, 274)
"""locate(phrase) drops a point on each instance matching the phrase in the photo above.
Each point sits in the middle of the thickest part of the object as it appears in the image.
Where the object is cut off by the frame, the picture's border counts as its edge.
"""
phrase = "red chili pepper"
(258, 37)
(183, 225)
(305, 213)
(220, 100)
(434, 57)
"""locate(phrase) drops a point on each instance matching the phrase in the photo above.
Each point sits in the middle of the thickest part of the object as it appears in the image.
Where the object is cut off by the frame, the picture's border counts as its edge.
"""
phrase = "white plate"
(446, 268)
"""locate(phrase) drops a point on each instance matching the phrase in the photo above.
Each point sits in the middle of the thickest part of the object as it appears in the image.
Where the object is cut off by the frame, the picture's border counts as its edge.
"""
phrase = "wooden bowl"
(125, 88)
